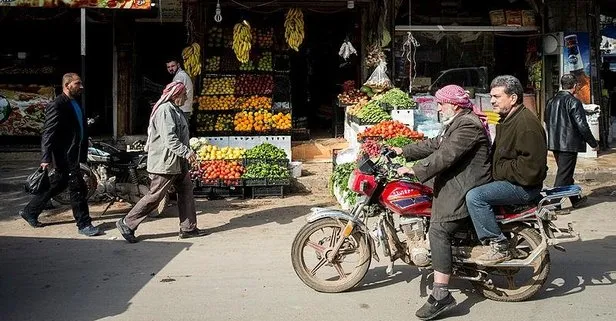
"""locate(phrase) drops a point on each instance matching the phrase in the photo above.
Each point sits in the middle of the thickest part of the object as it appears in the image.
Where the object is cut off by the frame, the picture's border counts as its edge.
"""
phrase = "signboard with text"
(108, 4)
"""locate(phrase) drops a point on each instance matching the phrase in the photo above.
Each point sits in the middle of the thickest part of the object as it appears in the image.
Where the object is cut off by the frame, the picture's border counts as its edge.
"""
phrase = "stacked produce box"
(365, 109)
(244, 113)
(259, 171)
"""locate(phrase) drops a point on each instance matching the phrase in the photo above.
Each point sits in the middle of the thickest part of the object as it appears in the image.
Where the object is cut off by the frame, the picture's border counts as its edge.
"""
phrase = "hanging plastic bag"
(37, 182)
(379, 80)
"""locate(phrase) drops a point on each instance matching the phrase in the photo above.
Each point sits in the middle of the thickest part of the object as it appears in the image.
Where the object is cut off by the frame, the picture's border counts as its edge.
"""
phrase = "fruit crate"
(231, 182)
(209, 182)
(252, 161)
(255, 182)
(264, 191)
(278, 181)
(220, 192)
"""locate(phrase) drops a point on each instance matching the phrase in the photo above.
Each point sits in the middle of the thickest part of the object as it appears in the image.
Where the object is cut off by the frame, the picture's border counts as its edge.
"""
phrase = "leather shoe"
(434, 307)
(580, 202)
(127, 233)
(194, 233)
(32, 221)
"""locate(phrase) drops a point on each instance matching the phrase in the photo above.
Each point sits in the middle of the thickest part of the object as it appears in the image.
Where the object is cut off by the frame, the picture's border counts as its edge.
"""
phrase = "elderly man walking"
(169, 161)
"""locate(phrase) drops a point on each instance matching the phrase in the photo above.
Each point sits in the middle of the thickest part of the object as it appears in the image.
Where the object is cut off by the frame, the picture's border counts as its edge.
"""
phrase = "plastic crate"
(231, 182)
(255, 182)
(209, 182)
(278, 181)
(265, 191)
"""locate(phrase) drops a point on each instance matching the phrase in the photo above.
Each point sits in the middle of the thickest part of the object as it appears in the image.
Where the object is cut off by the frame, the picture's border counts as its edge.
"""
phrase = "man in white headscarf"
(169, 161)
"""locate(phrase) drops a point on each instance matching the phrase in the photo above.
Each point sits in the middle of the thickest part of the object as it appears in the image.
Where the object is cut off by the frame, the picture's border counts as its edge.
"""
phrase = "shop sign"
(168, 11)
(22, 110)
(108, 4)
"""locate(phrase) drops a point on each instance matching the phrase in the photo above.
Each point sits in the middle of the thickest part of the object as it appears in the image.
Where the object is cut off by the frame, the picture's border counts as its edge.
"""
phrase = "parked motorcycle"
(114, 175)
(333, 251)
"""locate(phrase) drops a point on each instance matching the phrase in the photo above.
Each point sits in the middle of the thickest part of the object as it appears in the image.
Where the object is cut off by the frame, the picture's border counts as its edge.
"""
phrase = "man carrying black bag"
(64, 144)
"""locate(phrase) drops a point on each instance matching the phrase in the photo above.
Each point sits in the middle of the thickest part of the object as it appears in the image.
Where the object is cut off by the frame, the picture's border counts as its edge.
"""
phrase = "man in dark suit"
(64, 145)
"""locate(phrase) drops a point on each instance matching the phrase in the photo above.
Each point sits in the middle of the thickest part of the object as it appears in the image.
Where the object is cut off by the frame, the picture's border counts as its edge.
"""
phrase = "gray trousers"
(158, 189)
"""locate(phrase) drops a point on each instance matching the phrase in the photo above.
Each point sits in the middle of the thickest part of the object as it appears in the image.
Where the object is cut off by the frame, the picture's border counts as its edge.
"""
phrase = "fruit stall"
(243, 118)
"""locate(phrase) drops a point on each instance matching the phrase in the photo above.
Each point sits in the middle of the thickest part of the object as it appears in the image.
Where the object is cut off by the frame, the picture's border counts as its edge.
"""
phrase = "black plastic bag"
(38, 181)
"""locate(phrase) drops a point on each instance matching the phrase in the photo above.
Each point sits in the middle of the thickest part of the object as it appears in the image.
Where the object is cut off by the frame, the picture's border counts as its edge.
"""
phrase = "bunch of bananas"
(242, 41)
(294, 28)
(192, 59)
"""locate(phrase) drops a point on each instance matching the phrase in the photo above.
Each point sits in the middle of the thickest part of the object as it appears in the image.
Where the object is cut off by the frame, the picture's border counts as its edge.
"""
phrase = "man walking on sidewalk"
(169, 161)
(64, 144)
(568, 133)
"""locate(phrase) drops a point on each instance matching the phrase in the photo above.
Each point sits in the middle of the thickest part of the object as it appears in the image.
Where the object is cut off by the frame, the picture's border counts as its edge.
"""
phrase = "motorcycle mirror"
(5, 109)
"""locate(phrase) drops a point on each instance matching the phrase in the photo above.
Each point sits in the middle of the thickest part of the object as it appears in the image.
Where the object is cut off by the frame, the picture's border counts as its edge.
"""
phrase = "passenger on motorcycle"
(519, 166)
(458, 160)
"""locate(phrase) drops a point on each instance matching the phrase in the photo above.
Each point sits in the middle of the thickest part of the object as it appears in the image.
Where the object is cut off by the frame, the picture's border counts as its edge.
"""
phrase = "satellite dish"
(550, 45)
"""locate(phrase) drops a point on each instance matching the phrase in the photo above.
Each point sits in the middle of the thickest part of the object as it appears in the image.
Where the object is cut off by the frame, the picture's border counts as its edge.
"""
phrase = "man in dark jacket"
(568, 132)
(64, 144)
(458, 160)
(519, 166)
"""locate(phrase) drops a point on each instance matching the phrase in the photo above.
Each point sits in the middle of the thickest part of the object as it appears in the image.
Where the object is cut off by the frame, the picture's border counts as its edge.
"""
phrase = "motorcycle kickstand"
(108, 206)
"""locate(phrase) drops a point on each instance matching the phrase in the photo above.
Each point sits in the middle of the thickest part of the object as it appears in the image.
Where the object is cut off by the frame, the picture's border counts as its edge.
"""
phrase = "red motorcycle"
(333, 251)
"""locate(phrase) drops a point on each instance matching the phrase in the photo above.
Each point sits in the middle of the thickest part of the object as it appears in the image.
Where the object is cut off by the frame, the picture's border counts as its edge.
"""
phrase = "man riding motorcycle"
(519, 166)
(458, 160)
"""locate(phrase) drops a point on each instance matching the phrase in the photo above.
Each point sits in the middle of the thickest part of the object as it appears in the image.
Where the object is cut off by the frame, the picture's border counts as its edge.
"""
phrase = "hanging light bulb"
(350, 4)
(218, 16)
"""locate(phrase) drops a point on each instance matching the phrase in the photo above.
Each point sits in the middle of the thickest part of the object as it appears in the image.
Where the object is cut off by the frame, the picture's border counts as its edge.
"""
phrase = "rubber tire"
(298, 261)
(64, 197)
(534, 239)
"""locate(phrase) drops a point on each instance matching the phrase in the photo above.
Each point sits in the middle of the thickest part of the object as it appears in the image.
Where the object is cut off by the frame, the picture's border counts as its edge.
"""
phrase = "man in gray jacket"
(169, 161)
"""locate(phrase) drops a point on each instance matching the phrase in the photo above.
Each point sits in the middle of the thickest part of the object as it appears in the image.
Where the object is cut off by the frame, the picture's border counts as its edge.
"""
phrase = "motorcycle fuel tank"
(407, 198)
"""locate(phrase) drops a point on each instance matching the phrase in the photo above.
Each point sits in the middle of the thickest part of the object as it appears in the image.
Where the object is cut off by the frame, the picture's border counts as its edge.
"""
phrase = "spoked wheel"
(64, 198)
(517, 284)
(318, 267)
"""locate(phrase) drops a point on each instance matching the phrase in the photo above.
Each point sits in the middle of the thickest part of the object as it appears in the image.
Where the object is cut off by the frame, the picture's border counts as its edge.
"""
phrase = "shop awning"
(440, 28)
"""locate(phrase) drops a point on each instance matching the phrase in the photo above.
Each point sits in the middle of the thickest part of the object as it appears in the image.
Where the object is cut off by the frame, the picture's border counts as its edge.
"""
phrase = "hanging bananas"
(294, 28)
(192, 59)
(242, 41)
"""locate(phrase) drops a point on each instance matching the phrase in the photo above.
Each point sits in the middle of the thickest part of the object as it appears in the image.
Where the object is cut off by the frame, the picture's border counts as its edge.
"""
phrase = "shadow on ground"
(68, 279)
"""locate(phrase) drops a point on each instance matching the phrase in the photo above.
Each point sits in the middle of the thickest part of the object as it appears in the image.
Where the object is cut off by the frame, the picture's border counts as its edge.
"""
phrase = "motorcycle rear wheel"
(523, 240)
(311, 244)
(64, 198)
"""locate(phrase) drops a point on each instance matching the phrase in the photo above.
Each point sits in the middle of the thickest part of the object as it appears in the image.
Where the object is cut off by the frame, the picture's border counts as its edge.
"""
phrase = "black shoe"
(580, 202)
(194, 233)
(434, 307)
(32, 221)
(90, 230)
(127, 233)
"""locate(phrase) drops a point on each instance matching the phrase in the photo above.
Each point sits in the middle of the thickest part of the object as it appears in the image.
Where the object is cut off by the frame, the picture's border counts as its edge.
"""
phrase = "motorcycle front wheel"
(311, 247)
(517, 284)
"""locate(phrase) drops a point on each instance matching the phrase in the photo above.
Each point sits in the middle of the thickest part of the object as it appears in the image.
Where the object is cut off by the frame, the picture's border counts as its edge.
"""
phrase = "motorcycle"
(333, 251)
(113, 175)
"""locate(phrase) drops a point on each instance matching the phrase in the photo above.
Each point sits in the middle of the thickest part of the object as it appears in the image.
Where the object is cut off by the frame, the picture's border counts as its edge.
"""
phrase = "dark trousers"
(566, 167)
(440, 235)
(159, 186)
(57, 184)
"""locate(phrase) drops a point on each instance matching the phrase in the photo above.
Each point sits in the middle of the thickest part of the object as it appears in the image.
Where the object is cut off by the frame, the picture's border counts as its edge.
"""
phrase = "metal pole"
(114, 83)
(83, 57)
